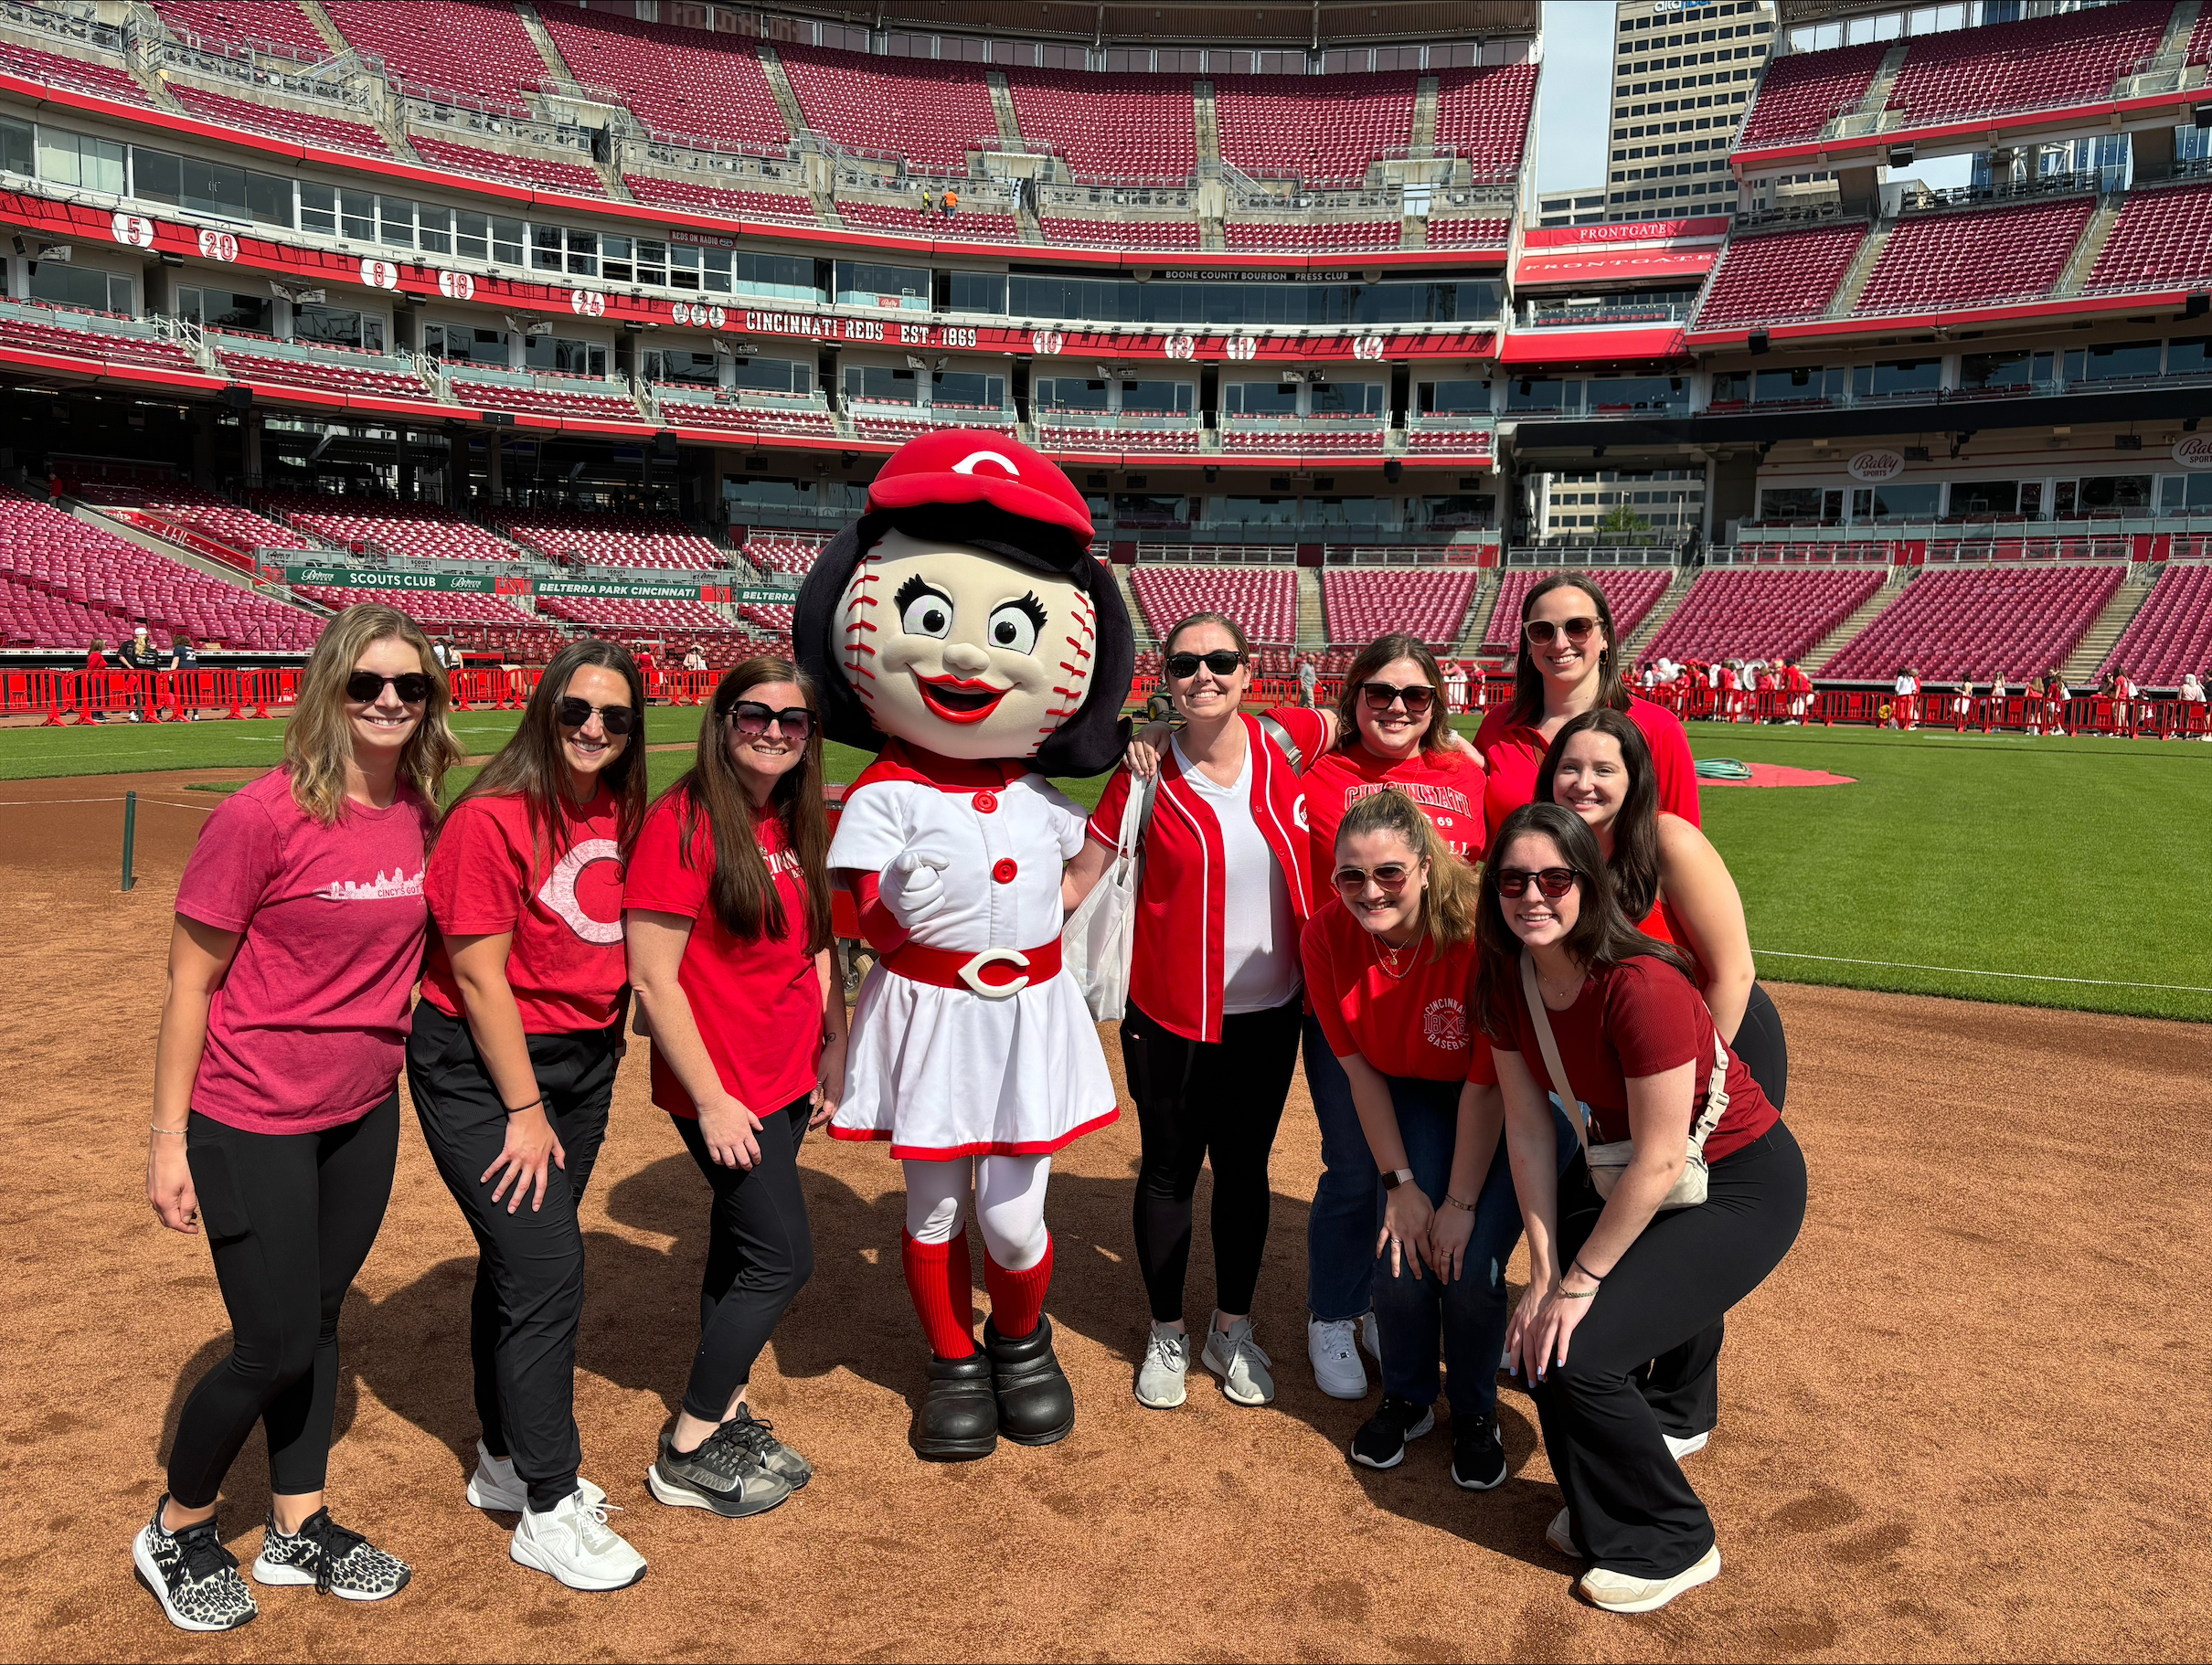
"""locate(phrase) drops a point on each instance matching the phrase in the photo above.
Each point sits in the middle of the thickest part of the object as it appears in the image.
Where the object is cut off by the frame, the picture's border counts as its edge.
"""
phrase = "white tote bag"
(1095, 944)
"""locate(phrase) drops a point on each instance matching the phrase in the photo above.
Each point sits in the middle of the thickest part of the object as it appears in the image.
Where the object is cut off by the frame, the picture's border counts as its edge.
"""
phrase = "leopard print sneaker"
(333, 1560)
(190, 1573)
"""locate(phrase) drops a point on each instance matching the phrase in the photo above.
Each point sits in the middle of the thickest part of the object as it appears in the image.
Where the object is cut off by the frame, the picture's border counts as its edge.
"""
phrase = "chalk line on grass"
(38, 803)
(1895, 965)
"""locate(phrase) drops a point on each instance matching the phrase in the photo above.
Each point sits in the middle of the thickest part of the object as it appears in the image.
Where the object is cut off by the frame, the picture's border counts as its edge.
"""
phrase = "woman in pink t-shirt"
(728, 908)
(511, 1066)
(299, 930)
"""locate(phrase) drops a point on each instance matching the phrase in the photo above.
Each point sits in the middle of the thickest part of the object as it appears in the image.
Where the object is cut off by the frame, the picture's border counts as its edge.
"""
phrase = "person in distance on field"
(1389, 968)
(1577, 1002)
(300, 925)
(727, 909)
(511, 1066)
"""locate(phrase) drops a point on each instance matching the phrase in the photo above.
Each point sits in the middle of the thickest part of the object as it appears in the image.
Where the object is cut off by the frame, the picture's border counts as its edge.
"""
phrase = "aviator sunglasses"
(749, 716)
(1554, 882)
(1389, 878)
(366, 687)
(617, 720)
(1221, 662)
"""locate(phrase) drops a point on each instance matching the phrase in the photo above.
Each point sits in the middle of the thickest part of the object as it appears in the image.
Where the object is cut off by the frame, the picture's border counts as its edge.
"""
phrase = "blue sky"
(1574, 92)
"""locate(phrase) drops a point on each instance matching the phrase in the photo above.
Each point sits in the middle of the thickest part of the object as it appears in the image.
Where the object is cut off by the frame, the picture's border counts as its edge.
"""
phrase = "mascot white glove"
(913, 887)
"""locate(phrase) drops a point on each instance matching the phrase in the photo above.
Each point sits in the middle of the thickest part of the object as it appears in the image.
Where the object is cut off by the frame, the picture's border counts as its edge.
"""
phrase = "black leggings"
(1197, 1099)
(290, 1218)
(1760, 1044)
(530, 1296)
(1629, 1507)
(759, 1250)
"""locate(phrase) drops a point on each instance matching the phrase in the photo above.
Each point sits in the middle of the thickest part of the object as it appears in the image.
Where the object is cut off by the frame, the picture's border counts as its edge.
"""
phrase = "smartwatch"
(1394, 1177)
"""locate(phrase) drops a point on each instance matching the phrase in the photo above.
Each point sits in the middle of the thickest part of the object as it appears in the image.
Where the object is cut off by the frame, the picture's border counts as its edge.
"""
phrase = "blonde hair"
(1449, 893)
(319, 743)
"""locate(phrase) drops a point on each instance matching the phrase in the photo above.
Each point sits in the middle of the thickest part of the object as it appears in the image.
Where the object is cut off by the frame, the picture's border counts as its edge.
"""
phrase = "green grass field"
(2004, 865)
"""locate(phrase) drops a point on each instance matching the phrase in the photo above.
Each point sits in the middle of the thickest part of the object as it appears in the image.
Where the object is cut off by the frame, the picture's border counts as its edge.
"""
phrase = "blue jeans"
(1468, 1314)
(1347, 1201)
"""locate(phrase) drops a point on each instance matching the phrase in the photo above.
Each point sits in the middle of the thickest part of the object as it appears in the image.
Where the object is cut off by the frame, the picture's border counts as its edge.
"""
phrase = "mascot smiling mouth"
(957, 699)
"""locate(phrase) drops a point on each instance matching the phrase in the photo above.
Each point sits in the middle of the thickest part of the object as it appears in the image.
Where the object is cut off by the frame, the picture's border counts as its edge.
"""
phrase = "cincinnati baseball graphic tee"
(309, 1028)
(1448, 787)
(559, 889)
(1409, 1012)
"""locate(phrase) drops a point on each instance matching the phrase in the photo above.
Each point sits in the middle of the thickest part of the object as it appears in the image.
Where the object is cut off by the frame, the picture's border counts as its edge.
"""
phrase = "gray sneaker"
(756, 1435)
(1166, 1363)
(721, 1475)
(1239, 1360)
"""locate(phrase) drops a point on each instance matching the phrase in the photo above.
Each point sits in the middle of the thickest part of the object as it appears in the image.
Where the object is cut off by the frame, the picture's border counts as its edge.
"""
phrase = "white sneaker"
(1618, 1593)
(1241, 1362)
(496, 1487)
(1333, 1348)
(576, 1545)
(1561, 1537)
(1370, 1337)
(1166, 1363)
(1681, 1449)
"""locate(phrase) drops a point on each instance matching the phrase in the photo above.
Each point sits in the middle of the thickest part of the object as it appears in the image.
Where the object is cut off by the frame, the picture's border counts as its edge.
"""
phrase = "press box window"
(463, 344)
(969, 389)
(340, 326)
(318, 208)
(18, 153)
(774, 375)
(880, 383)
(1068, 393)
(1260, 398)
(1455, 398)
(221, 310)
(1347, 399)
(82, 286)
(559, 352)
(1157, 399)
(699, 368)
(80, 159)
(434, 228)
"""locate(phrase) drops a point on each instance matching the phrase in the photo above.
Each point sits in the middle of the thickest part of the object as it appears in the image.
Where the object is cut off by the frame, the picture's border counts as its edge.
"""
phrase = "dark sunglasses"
(751, 716)
(1542, 630)
(573, 712)
(1380, 696)
(1221, 662)
(1390, 878)
(366, 687)
(1554, 882)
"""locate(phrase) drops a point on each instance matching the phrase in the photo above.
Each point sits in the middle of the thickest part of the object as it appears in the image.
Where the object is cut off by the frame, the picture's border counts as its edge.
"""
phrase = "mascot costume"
(961, 629)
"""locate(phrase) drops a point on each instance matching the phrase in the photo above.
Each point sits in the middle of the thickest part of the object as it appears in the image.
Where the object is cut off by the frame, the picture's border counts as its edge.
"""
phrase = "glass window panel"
(157, 177)
(2121, 359)
(318, 208)
(1263, 398)
(18, 153)
(774, 376)
(2115, 493)
(506, 241)
(434, 228)
(357, 215)
(396, 221)
(472, 236)
(1068, 393)
(977, 292)
(1534, 393)
(545, 247)
(967, 387)
(1984, 497)
(81, 286)
(1915, 501)
(268, 199)
(1158, 398)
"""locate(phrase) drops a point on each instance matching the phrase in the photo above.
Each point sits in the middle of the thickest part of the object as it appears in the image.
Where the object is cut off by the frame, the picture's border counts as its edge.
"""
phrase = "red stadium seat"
(574, 177)
(1264, 601)
(1630, 593)
(1482, 113)
(1360, 605)
(1779, 275)
(1762, 613)
(2173, 633)
(1974, 257)
(2012, 622)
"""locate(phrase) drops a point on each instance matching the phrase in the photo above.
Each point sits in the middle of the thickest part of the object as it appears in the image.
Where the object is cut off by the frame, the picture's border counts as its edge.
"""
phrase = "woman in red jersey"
(727, 903)
(1625, 1293)
(512, 1068)
(1569, 663)
(298, 932)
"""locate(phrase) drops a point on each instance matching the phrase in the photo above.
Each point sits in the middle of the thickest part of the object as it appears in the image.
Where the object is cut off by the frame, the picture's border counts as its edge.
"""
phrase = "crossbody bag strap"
(1716, 1096)
(1550, 1049)
(1276, 732)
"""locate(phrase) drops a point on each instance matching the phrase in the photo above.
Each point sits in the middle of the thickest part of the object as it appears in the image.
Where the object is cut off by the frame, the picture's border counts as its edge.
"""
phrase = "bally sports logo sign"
(2194, 450)
(1873, 467)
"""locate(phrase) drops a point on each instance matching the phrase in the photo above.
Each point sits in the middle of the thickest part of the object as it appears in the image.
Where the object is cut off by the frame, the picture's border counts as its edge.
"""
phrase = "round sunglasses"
(1543, 630)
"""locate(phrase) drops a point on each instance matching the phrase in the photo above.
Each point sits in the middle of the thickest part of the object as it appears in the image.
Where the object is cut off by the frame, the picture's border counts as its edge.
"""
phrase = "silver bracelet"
(172, 1132)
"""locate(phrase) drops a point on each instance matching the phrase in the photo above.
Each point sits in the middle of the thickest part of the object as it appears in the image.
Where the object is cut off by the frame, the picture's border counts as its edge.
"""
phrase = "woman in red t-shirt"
(1621, 1318)
(1390, 976)
(512, 1068)
(726, 902)
(1669, 879)
(276, 1118)
(1568, 664)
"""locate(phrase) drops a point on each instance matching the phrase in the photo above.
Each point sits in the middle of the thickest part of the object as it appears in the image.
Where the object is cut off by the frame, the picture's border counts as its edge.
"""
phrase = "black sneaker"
(722, 1475)
(1381, 1444)
(333, 1560)
(193, 1577)
(756, 1435)
(1478, 1453)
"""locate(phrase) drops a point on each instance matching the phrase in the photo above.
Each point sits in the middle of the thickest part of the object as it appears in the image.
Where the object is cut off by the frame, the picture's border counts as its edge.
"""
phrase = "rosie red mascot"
(962, 630)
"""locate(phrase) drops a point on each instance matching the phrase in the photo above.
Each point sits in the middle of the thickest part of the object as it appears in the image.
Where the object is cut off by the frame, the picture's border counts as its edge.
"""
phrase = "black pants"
(529, 1293)
(1760, 1044)
(290, 1218)
(759, 1250)
(1631, 1508)
(1197, 1099)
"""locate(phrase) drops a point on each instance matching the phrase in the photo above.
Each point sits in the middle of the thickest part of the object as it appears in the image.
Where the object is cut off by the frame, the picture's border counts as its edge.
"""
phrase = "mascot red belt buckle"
(972, 973)
(953, 968)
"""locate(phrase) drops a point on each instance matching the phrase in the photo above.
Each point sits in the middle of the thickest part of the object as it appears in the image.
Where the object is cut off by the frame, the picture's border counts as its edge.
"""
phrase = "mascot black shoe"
(1036, 1405)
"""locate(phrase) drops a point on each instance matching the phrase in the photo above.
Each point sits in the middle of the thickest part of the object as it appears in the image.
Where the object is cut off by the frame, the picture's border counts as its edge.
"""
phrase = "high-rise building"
(1683, 72)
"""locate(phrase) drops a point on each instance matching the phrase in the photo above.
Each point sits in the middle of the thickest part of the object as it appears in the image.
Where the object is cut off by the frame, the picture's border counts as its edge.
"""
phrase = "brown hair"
(741, 888)
(318, 741)
(1235, 632)
(1528, 682)
(1635, 865)
(1377, 653)
(530, 765)
(1448, 892)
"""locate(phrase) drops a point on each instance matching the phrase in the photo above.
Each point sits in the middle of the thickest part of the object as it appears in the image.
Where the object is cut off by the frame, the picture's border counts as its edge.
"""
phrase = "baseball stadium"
(542, 475)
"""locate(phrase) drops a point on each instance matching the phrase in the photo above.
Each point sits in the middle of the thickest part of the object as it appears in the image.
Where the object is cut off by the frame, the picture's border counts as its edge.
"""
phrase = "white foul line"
(33, 804)
(1894, 965)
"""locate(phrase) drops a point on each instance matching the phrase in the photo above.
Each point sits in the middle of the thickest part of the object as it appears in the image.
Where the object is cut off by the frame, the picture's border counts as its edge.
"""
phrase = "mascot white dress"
(962, 630)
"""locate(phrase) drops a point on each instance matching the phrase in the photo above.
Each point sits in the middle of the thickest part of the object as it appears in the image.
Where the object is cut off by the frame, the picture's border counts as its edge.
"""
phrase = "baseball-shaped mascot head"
(963, 614)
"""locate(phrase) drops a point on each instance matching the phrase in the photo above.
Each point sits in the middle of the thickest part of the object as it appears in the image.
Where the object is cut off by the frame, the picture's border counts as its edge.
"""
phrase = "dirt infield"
(1965, 1419)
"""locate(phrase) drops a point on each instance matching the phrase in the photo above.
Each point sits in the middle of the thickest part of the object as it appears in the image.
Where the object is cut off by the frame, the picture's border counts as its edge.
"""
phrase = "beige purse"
(1606, 1163)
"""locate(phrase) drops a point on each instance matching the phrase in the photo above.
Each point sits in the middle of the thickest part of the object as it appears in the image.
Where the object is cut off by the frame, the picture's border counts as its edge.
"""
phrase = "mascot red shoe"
(961, 629)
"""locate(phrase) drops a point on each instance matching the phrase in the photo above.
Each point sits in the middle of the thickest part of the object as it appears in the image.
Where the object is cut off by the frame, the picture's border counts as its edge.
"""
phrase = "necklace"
(1570, 993)
(1390, 959)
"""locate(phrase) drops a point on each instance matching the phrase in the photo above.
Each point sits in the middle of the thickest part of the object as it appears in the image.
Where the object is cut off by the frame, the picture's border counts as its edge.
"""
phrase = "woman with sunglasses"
(1390, 975)
(276, 1116)
(1625, 1294)
(727, 908)
(1211, 1031)
(1569, 663)
(512, 1068)
(1392, 728)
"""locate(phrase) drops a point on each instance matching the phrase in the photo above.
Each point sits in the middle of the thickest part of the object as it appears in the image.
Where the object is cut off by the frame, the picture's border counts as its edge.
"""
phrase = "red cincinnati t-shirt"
(757, 1004)
(309, 1028)
(1514, 752)
(1447, 786)
(1421, 1024)
(564, 904)
(1641, 1018)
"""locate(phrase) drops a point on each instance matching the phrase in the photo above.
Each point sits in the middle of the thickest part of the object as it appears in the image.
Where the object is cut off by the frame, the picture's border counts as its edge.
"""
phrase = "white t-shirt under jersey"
(1259, 963)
